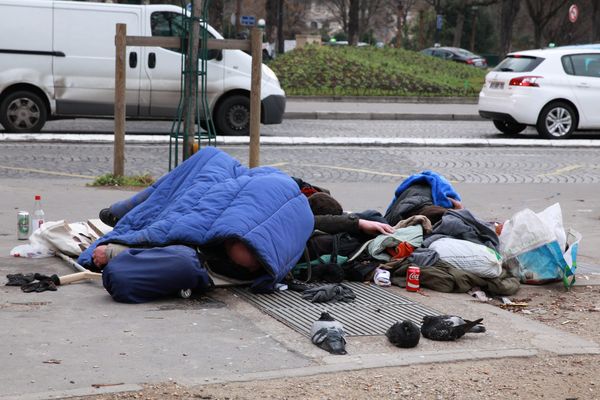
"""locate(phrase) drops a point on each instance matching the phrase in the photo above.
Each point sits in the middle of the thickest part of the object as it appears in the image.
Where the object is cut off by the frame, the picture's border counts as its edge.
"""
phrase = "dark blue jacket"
(212, 197)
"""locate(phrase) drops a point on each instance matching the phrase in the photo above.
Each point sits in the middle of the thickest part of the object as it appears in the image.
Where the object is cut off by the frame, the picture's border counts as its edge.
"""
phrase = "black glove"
(43, 283)
(333, 292)
(19, 279)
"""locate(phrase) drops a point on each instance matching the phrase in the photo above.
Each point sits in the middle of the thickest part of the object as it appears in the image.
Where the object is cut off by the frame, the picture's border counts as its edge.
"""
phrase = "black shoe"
(107, 217)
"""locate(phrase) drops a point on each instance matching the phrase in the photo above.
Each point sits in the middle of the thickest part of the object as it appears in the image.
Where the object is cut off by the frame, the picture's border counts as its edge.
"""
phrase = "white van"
(57, 60)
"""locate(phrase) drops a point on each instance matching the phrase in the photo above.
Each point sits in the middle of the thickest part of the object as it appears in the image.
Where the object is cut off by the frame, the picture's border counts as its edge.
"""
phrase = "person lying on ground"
(426, 193)
(208, 213)
(330, 218)
(232, 259)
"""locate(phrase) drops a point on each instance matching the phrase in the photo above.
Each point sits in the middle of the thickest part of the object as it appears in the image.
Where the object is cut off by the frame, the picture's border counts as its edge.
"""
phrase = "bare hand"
(99, 256)
(374, 227)
(457, 205)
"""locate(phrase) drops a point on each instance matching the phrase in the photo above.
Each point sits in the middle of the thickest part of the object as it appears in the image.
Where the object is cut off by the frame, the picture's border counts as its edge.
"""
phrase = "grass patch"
(369, 71)
(127, 181)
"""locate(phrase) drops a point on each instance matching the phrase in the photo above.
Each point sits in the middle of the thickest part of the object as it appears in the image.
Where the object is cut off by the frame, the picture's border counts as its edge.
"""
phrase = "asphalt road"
(316, 127)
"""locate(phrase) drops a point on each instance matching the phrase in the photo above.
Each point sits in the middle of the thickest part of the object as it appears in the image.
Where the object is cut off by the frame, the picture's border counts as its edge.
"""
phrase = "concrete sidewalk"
(445, 109)
(58, 344)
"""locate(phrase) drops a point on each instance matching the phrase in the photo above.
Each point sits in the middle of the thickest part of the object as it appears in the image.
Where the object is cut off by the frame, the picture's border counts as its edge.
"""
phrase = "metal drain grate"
(372, 313)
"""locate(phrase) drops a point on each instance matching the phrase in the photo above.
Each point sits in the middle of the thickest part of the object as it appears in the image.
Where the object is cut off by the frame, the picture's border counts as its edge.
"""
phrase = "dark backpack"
(324, 256)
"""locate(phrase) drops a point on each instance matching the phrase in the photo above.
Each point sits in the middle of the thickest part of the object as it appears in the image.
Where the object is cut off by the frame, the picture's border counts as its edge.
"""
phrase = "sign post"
(247, 20)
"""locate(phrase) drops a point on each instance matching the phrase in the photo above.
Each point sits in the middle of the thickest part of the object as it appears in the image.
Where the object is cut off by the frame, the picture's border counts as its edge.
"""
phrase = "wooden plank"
(154, 41)
(256, 40)
(120, 75)
(175, 42)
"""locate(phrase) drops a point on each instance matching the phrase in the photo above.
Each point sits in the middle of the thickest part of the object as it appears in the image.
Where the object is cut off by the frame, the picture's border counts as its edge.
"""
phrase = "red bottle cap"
(38, 197)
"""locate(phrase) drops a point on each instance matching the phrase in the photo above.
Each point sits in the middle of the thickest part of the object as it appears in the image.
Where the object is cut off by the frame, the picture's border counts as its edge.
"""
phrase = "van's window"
(519, 64)
(166, 23)
(582, 65)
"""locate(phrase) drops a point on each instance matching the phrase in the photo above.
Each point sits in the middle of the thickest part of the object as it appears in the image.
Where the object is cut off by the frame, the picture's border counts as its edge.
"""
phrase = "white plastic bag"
(527, 230)
(536, 248)
(548, 263)
(472, 257)
(31, 251)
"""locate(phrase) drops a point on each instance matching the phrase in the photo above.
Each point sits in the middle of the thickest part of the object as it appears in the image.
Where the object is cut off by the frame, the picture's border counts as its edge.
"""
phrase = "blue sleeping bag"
(212, 197)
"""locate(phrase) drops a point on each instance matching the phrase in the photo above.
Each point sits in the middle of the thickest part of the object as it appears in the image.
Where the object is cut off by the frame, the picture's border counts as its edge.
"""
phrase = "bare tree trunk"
(421, 29)
(595, 21)
(280, 39)
(508, 13)
(271, 19)
(238, 15)
(458, 29)
(473, 31)
(541, 12)
(537, 36)
(353, 22)
(363, 18)
(215, 14)
(399, 23)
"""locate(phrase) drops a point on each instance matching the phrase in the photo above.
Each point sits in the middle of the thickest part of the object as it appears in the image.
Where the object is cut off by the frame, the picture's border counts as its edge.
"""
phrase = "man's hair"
(323, 204)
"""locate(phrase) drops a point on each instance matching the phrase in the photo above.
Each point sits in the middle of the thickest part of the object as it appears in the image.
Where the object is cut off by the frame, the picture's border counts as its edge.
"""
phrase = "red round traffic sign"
(573, 13)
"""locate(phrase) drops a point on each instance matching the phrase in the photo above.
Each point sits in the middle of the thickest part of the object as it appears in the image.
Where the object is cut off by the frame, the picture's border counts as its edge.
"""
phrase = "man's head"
(323, 204)
(239, 253)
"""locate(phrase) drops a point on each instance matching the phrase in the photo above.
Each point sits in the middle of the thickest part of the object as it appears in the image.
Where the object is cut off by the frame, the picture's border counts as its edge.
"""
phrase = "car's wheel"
(23, 112)
(233, 116)
(509, 128)
(557, 121)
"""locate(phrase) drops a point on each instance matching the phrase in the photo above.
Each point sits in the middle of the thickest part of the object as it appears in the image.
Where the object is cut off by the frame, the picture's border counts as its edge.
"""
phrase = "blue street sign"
(439, 20)
(248, 20)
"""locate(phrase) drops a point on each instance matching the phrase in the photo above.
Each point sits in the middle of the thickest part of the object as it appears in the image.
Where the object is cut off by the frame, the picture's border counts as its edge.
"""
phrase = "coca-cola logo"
(413, 276)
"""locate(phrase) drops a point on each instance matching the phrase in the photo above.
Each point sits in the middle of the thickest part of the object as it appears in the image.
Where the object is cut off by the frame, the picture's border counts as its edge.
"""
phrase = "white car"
(557, 90)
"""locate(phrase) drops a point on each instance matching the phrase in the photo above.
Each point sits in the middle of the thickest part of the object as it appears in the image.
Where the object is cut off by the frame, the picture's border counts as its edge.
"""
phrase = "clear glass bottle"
(38, 217)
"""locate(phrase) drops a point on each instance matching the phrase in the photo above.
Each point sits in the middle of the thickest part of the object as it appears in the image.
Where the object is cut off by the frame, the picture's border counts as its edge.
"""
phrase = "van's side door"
(84, 79)
(162, 68)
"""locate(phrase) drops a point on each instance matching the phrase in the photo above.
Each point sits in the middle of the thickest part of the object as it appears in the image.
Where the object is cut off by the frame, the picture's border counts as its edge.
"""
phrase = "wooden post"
(256, 51)
(191, 83)
(120, 104)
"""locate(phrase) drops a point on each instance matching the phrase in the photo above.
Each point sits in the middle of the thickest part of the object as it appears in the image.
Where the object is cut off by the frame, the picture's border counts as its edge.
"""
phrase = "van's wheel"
(509, 128)
(23, 112)
(233, 116)
(557, 121)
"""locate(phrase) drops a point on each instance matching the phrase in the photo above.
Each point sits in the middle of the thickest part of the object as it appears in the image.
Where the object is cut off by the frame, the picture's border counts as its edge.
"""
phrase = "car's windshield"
(519, 63)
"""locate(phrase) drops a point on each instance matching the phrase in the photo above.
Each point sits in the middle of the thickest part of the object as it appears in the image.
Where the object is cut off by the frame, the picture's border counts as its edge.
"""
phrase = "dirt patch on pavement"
(543, 377)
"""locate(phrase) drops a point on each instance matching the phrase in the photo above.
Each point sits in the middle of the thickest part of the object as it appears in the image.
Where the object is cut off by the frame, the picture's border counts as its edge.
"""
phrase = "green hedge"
(369, 71)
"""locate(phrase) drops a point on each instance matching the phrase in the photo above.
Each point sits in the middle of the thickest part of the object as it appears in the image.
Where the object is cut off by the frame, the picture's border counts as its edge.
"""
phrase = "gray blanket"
(462, 224)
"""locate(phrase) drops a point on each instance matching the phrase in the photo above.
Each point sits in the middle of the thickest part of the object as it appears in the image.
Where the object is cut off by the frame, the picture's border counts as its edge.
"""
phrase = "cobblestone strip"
(339, 164)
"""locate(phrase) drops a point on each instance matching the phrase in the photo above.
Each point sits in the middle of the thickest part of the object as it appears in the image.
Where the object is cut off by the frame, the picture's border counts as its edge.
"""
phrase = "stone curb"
(314, 141)
(336, 115)
(385, 99)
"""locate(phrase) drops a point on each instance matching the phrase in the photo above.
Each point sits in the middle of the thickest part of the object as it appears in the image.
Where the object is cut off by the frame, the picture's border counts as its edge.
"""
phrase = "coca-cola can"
(412, 278)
